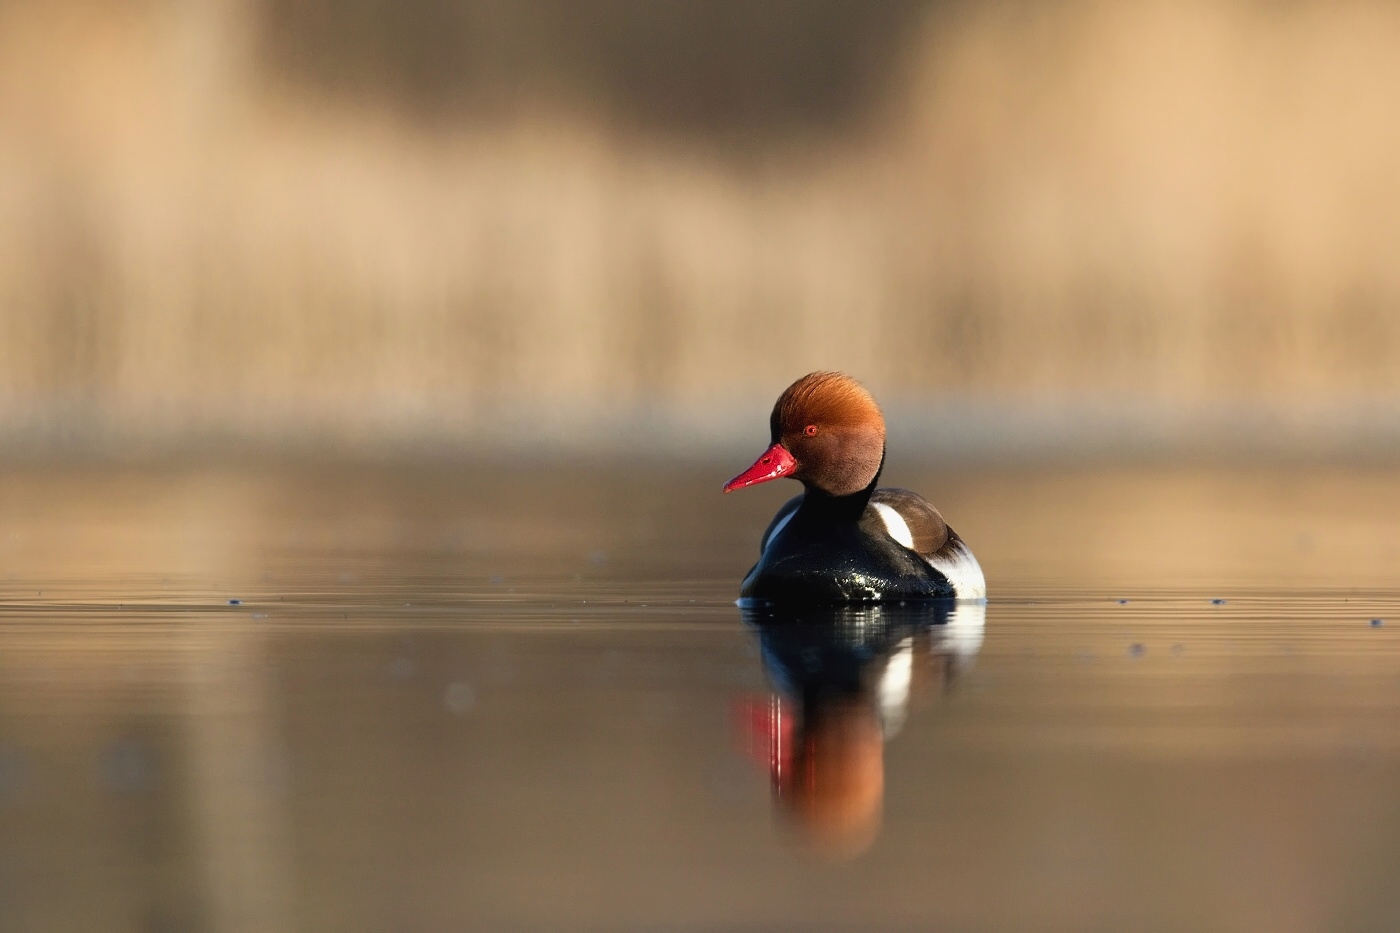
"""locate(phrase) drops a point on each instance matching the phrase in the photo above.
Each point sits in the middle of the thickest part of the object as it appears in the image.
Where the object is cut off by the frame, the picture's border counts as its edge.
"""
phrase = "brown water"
(481, 698)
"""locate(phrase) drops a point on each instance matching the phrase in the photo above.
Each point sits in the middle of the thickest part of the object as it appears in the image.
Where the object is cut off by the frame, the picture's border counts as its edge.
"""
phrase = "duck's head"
(827, 432)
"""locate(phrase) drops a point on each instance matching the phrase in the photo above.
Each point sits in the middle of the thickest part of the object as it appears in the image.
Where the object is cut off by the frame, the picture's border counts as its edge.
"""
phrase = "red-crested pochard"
(844, 540)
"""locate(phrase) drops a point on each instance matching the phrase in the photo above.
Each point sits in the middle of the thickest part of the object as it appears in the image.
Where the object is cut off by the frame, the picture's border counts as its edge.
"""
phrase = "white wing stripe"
(895, 524)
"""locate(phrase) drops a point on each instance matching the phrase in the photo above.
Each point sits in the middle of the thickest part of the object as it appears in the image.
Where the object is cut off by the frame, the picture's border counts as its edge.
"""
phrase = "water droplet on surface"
(459, 697)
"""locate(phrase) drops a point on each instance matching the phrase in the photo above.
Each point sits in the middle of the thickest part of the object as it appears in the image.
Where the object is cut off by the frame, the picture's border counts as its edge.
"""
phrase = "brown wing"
(910, 519)
(927, 528)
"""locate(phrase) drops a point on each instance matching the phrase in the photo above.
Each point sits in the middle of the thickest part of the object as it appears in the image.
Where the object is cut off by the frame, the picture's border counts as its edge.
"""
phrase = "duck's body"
(884, 545)
(844, 539)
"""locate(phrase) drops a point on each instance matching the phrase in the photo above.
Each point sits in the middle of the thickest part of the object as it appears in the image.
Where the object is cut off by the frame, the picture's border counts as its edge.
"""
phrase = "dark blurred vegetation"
(758, 68)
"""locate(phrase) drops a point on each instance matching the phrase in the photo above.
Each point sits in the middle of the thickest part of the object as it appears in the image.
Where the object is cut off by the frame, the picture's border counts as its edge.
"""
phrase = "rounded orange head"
(827, 432)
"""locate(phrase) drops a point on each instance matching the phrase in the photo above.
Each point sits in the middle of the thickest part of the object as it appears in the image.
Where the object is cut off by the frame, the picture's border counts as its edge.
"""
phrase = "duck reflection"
(843, 680)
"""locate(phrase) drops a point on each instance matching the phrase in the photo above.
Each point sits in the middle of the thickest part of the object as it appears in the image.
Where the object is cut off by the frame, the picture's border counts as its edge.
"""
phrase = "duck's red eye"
(810, 430)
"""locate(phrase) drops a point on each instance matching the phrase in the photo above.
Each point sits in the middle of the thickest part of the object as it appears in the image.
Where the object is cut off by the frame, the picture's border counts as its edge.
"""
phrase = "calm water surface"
(446, 697)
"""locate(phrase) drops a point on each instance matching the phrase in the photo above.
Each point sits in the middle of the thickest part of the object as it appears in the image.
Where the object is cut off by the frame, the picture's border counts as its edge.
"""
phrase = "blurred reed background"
(602, 223)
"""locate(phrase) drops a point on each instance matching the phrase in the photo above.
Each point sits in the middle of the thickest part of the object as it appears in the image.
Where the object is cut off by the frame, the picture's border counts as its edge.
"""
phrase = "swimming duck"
(843, 539)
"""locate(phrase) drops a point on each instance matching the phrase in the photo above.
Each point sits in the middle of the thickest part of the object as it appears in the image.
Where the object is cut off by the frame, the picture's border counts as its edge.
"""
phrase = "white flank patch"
(963, 571)
(894, 687)
(895, 524)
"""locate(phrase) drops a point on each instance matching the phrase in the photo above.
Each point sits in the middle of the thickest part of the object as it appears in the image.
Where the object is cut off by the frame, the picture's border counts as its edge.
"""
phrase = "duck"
(845, 539)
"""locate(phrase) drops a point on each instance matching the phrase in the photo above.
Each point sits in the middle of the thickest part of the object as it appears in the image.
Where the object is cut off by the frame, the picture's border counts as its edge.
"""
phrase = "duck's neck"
(822, 505)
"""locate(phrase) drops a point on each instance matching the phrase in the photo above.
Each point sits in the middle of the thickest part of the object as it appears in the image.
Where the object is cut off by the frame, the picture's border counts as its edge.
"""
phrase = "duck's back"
(912, 520)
